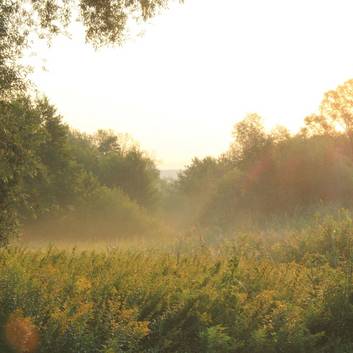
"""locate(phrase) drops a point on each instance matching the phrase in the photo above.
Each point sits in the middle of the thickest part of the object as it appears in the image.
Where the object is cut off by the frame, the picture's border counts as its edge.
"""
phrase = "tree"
(249, 137)
(337, 109)
(337, 106)
(36, 169)
(20, 138)
(107, 142)
(198, 175)
(105, 22)
(316, 125)
(279, 134)
(117, 162)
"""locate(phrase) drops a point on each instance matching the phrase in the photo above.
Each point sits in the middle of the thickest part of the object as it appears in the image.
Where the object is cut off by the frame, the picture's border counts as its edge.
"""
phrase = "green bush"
(104, 215)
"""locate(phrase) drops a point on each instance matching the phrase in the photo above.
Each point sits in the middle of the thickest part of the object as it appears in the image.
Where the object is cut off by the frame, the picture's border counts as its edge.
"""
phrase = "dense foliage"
(42, 168)
(103, 185)
(272, 173)
(265, 293)
(49, 172)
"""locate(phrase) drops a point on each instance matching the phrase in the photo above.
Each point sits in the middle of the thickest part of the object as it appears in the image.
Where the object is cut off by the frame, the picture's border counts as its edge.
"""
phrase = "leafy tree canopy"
(105, 22)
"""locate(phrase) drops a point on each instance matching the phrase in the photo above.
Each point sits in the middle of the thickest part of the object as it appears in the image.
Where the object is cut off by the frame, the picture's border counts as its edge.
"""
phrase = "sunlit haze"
(199, 68)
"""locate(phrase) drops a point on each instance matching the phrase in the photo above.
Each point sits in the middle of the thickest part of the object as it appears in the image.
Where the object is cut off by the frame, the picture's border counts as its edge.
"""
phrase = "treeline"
(47, 172)
(99, 184)
(62, 183)
(271, 174)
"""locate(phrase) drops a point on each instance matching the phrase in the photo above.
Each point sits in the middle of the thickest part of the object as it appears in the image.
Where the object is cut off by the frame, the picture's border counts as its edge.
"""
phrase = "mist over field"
(161, 233)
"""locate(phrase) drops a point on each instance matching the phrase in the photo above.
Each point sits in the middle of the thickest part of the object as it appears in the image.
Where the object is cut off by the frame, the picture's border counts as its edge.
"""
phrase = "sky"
(200, 67)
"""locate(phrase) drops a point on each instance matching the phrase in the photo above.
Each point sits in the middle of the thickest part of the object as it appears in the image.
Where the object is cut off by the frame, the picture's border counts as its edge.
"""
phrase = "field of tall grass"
(264, 293)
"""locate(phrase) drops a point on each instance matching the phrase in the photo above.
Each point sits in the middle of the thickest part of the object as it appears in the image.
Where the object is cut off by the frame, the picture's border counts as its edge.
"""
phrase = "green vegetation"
(272, 174)
(247, 252)
(274, 292)
(254, 270)
(50, 175)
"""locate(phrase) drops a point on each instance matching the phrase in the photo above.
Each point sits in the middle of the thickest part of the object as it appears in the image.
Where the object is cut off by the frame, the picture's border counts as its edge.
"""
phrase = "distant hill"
(169, 173)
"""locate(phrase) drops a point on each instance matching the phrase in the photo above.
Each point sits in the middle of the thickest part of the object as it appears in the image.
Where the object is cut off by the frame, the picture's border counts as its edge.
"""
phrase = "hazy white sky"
(199, 68)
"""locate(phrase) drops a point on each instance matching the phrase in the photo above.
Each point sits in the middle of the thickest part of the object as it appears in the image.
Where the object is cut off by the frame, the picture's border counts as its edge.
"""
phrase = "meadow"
(287, 291)
(245, 250)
